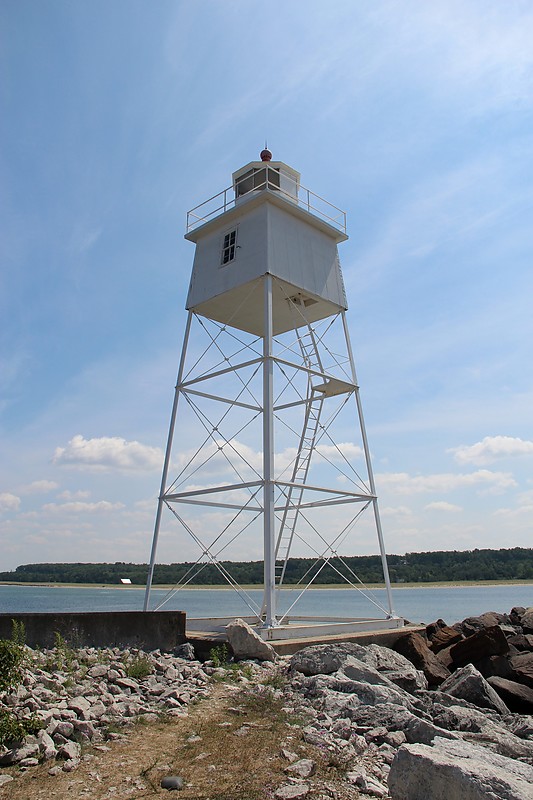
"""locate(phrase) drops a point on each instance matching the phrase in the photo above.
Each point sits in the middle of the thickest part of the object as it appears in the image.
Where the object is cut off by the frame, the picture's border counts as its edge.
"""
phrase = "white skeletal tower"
(267, 454)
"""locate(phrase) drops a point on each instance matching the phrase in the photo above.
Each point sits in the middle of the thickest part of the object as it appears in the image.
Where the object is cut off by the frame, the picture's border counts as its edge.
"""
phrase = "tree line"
(470, 565)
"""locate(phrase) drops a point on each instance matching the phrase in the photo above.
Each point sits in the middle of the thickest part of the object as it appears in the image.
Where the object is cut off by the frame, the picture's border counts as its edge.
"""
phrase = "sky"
(116, 118)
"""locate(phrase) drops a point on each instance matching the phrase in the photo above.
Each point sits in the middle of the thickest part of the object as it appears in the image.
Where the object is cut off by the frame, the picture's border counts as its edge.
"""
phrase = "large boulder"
(516, 696)
(453, 770)
(522, 668)
(395, 667)
(527, 620)
(246, 643)
(415, 649)
(324, 659)
(489, 641)
(469, 684)
(444, 637)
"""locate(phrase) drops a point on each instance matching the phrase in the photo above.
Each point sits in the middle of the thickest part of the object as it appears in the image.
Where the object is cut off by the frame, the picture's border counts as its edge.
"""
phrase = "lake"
(420, 604)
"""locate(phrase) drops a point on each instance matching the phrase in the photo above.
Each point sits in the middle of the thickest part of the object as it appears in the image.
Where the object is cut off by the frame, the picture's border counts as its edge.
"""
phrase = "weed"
(12, 663)
(219, 655)
(138, 667)
(13, 660)
(18, 632)
(65, 655)
(276, 680)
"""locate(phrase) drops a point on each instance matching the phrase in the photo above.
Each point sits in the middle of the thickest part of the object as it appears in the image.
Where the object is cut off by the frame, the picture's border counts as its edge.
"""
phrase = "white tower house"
(266, 373)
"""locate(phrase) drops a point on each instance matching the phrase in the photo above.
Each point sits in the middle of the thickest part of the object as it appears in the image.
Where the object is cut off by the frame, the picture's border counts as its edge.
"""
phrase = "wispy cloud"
(403, 483)
(442, 505)
(38, 487)
(102, 506)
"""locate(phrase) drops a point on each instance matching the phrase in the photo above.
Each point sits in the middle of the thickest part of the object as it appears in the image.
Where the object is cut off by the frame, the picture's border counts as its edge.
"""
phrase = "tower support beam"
(269, 600)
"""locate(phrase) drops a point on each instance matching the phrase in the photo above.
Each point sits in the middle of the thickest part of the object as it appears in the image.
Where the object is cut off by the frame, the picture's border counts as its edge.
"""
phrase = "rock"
(494, 666)
(516, 696)
(63, 728)
(522, 668)
(5, 779)
(414, 648)
(172, 782)
(323, 659)
(522, 641)
(527, 620)
(444, 637)
(98, 671)
(356, 670)
(469, 684)
(489, 641)
(394, 666)
(303, 768)
(291, 791)
(246, 643)
(371, 786)
(421, 731)
(455, 771)
(516, 615)
(70, 751)
(46, 745)
(27, 749)
(80, 705)
(185, 651)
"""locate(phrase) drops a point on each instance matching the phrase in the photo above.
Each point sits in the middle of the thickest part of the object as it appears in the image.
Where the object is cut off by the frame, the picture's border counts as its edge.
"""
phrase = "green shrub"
(14, 730)
(12, 662)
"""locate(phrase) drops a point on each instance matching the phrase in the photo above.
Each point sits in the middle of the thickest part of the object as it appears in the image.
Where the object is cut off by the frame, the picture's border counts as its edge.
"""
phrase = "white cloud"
(78, 495)
(491, 448)
(80, 507)
(108, 453)
(403, 483)
(398, 511)
(9, 502)
(442, 505)
(39, 486)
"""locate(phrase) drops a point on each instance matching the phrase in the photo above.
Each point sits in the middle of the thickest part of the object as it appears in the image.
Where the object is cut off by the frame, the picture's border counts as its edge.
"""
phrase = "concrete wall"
(149, 630)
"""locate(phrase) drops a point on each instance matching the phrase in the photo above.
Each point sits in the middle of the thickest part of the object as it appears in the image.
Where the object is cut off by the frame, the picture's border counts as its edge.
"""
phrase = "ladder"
(313, 409)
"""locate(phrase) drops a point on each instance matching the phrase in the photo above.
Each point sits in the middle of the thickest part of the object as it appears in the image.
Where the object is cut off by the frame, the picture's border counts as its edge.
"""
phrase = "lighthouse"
(267, 451)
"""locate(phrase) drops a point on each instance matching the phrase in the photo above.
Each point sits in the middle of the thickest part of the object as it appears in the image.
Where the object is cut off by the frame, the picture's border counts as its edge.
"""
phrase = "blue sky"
(116, 118)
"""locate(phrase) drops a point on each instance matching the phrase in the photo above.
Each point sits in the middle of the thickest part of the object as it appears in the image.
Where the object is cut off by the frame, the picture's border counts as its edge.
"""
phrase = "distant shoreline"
(222, 587)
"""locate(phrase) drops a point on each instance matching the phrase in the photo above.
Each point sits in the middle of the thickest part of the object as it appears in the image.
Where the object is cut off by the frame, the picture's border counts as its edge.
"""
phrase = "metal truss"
(267, 442)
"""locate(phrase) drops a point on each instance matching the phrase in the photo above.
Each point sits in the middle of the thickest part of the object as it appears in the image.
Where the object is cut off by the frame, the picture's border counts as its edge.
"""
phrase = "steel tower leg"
(369, 469)
(269, 601)
(166, 463)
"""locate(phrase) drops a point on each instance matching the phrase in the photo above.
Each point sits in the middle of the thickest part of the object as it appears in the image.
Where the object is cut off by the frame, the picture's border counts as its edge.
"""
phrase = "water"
(421, 604)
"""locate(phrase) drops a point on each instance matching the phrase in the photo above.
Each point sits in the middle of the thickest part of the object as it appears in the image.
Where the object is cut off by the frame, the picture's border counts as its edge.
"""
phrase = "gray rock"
(394, 666)
(357, 670)
(46, 745)
(457, 771)
(291, 791)
(69, 751)
(185, 651)
(246, 643)
(5, 779)
(303, 768)
(470, 684)
(172, 782)
(28, 749)
(324, 659)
